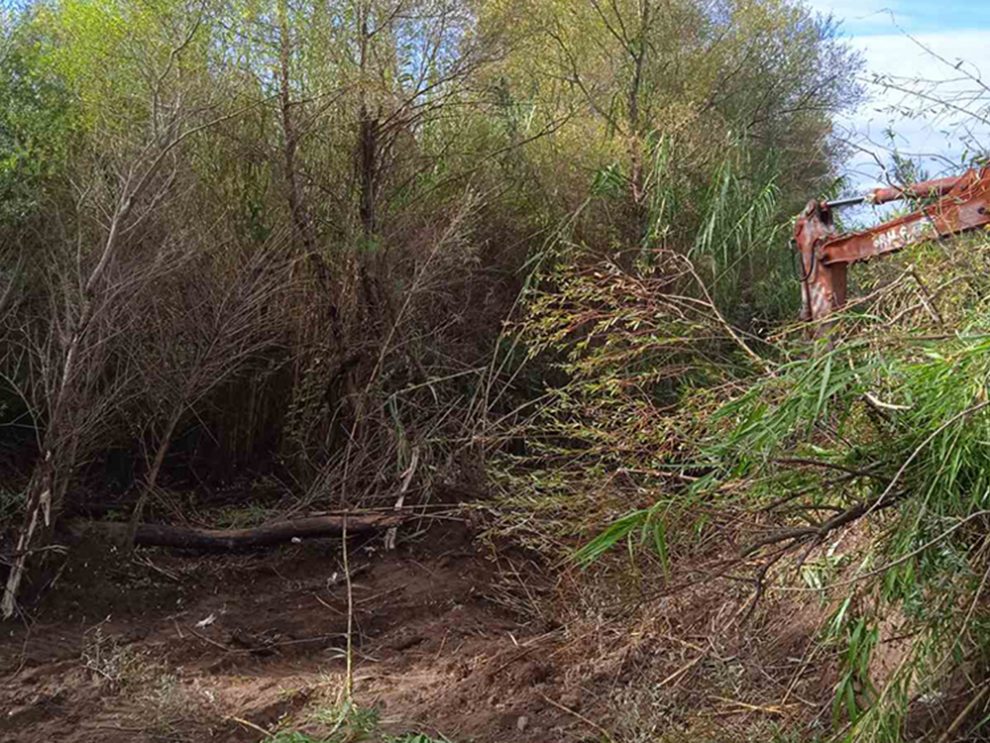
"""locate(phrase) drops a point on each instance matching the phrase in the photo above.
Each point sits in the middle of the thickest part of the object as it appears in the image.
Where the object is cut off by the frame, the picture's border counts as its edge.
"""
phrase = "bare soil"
(451, 638)
(160, 647)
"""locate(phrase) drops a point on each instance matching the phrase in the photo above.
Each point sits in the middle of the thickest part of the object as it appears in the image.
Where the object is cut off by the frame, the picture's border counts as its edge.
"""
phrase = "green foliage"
(857, 640)
(741, 237)
(924, 465)
(625, 168)
(634, 350)
(36, 122)
(113, 56)
(880, 424)
(650, 525)
(295, 737)
(349, 723)
(240, 517)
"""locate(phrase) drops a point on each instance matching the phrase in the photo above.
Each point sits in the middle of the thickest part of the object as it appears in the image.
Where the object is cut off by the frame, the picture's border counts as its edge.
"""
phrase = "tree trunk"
(164, 443)
(43, 489)
(297, 208)
(637, 130)
(227, 540)
(368, 170)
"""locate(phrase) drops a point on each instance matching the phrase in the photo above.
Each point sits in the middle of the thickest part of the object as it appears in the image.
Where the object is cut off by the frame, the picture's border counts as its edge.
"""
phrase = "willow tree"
(678, 83)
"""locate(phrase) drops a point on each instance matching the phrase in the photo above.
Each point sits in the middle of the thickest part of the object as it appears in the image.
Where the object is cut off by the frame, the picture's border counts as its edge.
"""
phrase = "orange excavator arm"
(963, 204)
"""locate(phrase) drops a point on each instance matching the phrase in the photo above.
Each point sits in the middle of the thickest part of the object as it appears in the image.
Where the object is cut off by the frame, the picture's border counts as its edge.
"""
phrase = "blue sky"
(937, 16)
(890, 35)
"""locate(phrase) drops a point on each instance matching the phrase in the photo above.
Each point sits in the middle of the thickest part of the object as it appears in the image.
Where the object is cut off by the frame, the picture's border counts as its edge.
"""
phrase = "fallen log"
(230, 540)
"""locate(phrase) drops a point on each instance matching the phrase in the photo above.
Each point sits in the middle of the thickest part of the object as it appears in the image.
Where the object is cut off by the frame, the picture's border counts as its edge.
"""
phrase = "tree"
(125, 185)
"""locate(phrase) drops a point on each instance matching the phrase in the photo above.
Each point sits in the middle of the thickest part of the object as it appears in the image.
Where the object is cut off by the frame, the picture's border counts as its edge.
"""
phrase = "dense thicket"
(681, 445)
(282, 236)
(372, 247)
(365, 248)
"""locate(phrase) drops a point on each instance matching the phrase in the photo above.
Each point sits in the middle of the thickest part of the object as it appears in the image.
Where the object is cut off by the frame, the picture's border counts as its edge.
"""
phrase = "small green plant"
(294, 737)
(115, 665)
(348, 723)
(242, 516)
(342, 736)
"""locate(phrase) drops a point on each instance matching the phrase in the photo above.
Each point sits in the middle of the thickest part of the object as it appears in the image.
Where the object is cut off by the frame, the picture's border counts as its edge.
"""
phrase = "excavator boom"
(963, 204)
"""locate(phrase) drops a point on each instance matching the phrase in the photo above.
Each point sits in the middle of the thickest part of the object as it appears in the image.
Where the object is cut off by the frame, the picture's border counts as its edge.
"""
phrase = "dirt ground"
(451, 638)
(177, 648)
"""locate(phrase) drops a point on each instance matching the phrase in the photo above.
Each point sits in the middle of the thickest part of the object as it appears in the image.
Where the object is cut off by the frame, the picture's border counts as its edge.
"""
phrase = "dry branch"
(818, 532)
(229, 540)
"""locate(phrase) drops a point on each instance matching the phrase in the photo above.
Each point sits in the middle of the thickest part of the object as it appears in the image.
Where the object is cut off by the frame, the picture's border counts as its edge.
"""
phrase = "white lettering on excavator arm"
(904, 234)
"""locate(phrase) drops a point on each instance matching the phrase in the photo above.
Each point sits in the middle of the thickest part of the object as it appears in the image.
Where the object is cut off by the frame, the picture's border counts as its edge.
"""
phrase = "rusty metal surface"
(822, 291)
(825, 256)
(924, 189)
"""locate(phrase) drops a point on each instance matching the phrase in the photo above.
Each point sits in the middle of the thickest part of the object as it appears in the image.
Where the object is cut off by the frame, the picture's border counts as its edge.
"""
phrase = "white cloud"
(903, 62)
(897, 54)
